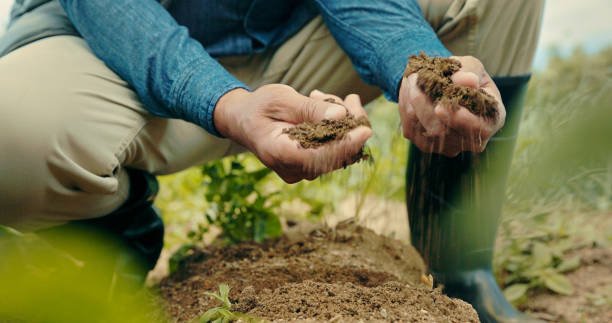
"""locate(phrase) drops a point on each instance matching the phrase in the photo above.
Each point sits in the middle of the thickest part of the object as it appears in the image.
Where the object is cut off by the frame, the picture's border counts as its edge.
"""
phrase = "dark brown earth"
(316, 134)
(344, 274)
(435, 81)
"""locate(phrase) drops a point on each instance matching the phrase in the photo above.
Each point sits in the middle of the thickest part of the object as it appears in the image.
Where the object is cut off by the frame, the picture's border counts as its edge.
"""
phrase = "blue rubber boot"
(454, 206)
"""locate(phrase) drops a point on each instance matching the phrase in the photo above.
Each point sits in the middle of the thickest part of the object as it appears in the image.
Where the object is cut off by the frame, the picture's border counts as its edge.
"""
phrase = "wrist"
(224, 116)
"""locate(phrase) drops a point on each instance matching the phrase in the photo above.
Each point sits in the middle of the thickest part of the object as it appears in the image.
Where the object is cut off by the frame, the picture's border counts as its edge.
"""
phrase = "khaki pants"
(69, 126)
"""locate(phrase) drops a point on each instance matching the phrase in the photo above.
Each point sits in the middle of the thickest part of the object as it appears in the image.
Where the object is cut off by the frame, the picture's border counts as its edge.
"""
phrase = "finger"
(444, 114)
(409, 121)
(316, 94)
(353, 103)
(466, 78)
(471, 64)
(469, 125)
(424, 143)
(339, 154)
(424, 108)
(303, 109)
(492, 89)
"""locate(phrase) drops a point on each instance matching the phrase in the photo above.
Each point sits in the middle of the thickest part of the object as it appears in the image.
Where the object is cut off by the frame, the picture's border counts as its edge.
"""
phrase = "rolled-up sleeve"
(139, 40)
(379, 36)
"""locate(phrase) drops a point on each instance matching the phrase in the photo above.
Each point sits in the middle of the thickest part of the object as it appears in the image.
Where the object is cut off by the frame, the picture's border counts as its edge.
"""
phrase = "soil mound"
(346, 273)
(435, 81)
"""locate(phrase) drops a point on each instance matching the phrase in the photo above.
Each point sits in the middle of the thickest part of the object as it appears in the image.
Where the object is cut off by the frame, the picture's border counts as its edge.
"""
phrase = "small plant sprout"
(221, 313)
(224, 313)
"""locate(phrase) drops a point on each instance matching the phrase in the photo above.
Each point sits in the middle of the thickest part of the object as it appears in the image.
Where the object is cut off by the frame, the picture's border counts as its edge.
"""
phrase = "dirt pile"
(347, 273)
(435, 81)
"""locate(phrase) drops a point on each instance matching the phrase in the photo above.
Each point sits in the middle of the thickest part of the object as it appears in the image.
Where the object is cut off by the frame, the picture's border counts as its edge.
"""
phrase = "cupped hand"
(441, 129)
(256, 121)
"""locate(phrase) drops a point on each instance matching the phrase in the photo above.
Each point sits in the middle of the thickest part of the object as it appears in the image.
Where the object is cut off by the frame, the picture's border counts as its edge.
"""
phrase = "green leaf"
(260, 174)
(542, 255)
(515, 292)
(569, 264)
(211, 315)
(559, 284)
(224, 291)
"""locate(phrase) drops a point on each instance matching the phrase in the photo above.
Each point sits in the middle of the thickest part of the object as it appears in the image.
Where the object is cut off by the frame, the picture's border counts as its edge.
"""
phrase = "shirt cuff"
(393, 56)
(202, 87)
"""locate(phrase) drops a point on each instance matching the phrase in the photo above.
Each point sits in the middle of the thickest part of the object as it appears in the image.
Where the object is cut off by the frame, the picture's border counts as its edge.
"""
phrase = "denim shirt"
(167, 53)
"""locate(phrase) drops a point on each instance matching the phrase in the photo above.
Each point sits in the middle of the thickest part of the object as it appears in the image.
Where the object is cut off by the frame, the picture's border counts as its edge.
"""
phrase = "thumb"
(468, 79)
(304, 109)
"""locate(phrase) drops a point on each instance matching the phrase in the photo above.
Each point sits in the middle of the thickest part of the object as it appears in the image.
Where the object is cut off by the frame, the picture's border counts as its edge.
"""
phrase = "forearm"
(379, 36)
(139, 40)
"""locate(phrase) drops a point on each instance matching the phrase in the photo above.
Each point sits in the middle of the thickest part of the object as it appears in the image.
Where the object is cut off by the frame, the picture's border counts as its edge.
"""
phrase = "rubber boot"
(132, 235)
(454, 207)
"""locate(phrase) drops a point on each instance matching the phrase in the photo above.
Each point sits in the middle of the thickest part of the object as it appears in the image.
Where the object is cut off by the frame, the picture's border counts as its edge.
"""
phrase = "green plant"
(536, 261)
(223, 313)
(567, 109)
(238, 203)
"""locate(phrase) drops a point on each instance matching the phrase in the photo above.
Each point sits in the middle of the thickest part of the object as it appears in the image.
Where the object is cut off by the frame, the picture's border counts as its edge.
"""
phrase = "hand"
(440, 129)
(256, 121)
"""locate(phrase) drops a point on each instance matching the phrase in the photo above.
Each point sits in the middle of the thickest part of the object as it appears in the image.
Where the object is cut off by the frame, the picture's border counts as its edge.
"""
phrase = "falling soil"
(435, 81)
(344, 274)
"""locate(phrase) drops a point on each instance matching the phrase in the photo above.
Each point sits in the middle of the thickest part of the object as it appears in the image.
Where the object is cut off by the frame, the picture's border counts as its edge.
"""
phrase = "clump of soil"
(434, 79)
(344, 274)
(316, 134)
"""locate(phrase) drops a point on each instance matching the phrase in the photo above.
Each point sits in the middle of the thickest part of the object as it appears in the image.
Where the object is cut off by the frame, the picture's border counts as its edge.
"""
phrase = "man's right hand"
(442, 130)
(256, 121)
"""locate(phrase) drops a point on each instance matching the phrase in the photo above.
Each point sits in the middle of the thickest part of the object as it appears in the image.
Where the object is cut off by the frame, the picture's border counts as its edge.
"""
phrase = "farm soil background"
(346, 273)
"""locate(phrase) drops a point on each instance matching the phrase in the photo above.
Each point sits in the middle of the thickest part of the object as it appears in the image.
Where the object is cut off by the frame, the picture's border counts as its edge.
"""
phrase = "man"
(98, 95)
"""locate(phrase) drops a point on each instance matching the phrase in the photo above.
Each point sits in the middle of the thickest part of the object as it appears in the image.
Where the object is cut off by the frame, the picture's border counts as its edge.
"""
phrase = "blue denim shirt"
(166, 54)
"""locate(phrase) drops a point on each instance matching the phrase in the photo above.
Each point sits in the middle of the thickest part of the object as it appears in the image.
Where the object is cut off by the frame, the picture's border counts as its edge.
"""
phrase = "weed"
(536, 262)
(238, 203)
(223, 313)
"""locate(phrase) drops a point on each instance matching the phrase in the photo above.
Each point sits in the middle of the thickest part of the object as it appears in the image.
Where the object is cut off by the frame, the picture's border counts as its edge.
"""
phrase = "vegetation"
(561, 177)
(237, 203)
(43, 283)
(223, 313)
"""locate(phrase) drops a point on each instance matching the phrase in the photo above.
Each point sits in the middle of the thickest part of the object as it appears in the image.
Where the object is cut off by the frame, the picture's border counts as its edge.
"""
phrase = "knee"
(78, 160)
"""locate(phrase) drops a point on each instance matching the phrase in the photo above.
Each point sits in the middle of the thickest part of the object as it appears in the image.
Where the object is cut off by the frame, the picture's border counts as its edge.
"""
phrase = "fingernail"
(335, 111)
(316, 92)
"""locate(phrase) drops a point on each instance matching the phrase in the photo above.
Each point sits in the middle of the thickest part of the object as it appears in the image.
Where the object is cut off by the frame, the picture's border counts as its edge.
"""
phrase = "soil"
(434, 79)
(315, 274)
(316, 134)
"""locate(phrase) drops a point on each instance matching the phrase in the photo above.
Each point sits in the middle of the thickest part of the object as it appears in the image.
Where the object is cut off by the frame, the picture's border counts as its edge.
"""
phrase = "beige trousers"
(69, 126)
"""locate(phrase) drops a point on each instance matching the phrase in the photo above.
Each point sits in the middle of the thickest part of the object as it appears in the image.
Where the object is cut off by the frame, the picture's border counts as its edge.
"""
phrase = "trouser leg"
(454, 204)
(69, 130)
(78, 148)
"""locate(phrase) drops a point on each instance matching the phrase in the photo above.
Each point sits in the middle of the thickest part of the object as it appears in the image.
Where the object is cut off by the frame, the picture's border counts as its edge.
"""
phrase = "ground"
(315, 273)
(591, 301)
(331, 268)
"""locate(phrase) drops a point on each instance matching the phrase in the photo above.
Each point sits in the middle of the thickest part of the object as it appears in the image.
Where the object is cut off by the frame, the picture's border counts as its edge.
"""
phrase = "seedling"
(224, 313)
(239, 205)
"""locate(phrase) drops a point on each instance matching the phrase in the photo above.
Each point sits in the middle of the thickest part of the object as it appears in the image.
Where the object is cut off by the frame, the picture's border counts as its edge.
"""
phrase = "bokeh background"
(554, 255)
